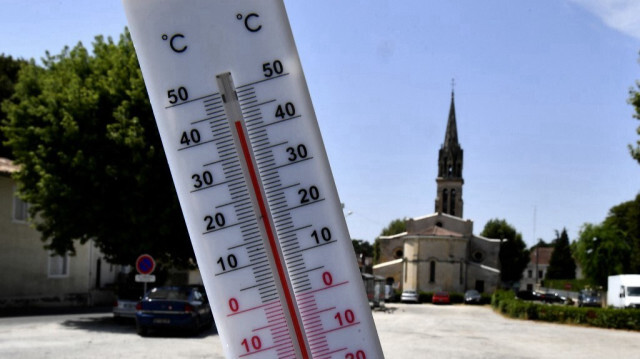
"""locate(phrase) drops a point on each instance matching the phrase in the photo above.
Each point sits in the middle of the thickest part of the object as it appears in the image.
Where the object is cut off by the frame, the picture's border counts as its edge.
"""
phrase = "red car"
(440, 298)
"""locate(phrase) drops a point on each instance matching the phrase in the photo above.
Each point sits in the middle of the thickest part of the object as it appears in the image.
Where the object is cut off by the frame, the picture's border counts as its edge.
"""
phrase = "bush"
(425, 297)
(506, 303)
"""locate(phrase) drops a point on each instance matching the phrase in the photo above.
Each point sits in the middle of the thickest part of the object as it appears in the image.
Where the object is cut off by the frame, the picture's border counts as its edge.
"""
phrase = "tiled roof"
(543, 253)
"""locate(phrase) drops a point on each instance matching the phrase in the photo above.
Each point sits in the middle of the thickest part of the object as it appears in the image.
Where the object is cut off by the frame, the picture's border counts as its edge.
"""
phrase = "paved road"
(408, 331)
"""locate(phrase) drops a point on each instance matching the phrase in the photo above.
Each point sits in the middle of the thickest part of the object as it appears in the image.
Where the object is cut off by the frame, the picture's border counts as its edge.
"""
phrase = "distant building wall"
(29, 275)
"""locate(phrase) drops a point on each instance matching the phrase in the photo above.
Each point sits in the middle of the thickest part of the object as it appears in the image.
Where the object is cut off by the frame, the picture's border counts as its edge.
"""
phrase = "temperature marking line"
(335, 329)
(314, 247)
(260, 104)
(196, 145)
(271, 239)
(195, 99)
(239, 268)
(260, 81)
(328, 355)
(305, 294)
(250, 309)
(277, 122)
(304, 272)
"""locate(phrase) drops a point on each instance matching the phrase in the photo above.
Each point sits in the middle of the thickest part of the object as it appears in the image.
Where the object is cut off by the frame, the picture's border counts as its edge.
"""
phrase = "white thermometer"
(252, 176)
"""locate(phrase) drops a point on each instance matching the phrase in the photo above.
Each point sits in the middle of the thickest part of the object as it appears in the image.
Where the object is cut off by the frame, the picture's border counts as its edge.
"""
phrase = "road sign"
(145, 264)
(253, 179)
(145, 278)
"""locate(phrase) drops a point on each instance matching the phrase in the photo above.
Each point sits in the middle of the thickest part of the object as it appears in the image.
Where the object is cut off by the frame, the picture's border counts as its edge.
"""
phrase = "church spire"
(451, 135)
(450, 157)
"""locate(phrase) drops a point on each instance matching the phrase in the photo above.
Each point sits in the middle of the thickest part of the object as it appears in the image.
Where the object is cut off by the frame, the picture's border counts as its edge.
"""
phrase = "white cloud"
(622, 15)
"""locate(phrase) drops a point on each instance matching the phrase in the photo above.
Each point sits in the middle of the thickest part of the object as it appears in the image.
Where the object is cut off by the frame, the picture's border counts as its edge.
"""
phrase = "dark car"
(589, 298)
(552, 298)
(472, 296)
(184, 308)
(527, 295)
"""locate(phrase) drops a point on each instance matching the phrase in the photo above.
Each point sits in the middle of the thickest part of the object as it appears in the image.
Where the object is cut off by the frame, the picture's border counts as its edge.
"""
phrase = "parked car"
(440, 298)
(409, 296)
(527, 295)
(124, 308)
(552, 298)
(472, 297)
(589, 298)
(185, 308)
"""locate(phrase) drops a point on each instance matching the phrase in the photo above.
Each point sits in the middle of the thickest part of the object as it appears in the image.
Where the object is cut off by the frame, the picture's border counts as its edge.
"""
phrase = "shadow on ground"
(108, 324)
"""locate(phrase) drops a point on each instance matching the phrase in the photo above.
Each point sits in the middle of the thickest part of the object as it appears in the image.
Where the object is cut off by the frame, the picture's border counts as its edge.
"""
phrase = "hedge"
(506, 303)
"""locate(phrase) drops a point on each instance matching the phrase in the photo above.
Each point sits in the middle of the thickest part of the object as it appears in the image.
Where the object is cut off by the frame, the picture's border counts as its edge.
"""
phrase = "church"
(439, 252)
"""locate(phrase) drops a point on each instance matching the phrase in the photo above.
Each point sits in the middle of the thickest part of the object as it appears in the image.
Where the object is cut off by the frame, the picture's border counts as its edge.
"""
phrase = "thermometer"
(253, 179)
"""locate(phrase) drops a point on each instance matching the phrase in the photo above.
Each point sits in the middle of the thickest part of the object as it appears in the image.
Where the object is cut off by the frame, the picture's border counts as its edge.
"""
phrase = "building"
(536, 271)
(439, 251)
(33, 276)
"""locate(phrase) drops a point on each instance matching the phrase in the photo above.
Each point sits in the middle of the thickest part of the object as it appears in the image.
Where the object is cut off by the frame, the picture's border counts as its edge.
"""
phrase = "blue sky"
(541, 90)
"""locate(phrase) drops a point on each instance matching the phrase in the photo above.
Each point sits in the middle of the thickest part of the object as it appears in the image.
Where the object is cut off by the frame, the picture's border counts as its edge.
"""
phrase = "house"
(439, 251)
(536, 270)
(33, 276)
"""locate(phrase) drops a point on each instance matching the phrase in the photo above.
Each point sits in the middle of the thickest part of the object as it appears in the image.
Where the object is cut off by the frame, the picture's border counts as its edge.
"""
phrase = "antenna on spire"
(453, 86)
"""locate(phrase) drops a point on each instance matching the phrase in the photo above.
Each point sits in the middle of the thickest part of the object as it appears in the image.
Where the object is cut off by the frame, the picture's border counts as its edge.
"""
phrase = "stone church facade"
(439, 251)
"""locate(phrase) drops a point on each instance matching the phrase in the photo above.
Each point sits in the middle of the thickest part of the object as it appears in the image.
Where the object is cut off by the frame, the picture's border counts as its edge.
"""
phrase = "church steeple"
(451, 135)
(449, 180)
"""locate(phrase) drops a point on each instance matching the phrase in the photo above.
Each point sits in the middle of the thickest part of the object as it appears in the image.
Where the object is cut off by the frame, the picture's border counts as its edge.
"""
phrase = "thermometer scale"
(253, 179)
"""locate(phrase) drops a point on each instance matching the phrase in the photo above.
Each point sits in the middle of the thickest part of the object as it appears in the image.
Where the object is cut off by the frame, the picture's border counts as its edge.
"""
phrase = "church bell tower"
(449, 180)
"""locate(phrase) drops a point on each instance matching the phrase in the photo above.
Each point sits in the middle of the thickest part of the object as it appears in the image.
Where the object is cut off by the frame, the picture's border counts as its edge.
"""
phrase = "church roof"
(436, 231)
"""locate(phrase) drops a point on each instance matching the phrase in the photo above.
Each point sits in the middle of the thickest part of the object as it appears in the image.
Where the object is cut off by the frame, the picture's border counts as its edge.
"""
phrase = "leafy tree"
(541, 244)
(9, 68)
(601, 252)
(634, 100)
(362, 247)
(91, 162)
(514, 255)
(561, 265)
(626, 217)
(396, 226)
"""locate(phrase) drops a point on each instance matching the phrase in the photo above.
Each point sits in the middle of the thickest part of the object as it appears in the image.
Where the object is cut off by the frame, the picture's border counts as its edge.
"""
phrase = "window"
(453, 203)
(477, 256)
(432, 272)
(530, 273)
(20, 209)
(59, 266)
(540, 274)
(445, 199)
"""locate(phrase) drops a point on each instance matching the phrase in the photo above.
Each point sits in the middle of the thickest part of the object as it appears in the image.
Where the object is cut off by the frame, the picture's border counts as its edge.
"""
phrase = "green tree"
(362, 247)
(601, 252)
(514, 255)
(561, 265)
(626, 217)
(91, 161)
(634, 100)
(396, 226)
(9, 68)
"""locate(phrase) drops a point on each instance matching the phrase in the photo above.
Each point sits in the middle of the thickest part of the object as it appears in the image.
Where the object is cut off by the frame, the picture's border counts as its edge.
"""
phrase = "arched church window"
(453, 202)
(445, 200)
